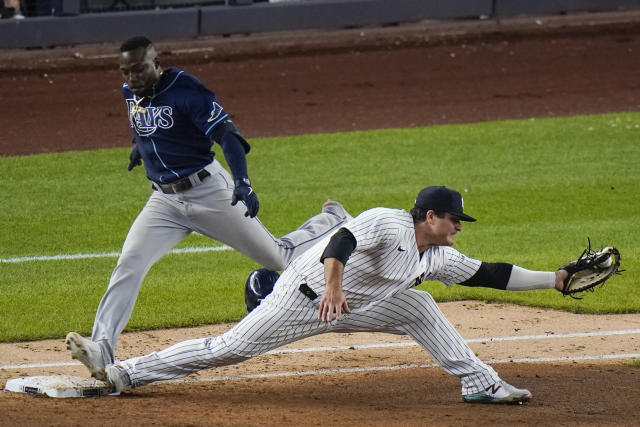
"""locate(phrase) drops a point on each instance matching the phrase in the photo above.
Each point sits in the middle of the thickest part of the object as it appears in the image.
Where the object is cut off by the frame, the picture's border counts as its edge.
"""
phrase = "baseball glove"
(590, 269)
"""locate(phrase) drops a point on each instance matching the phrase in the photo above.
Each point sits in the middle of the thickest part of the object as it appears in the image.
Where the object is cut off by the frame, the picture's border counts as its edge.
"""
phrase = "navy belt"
(182, 184)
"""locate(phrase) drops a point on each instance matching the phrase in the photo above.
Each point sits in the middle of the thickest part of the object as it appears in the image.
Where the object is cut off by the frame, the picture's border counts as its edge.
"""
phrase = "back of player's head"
(137, 42)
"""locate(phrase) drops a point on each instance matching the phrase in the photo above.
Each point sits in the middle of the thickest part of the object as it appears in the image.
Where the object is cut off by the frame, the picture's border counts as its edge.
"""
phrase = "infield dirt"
(309, 82)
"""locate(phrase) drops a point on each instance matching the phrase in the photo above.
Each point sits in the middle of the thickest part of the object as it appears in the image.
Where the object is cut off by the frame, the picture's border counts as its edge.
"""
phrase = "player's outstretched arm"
(511, 277)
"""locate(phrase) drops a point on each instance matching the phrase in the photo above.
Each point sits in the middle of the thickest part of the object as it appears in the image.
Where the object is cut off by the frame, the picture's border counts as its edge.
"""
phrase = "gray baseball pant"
(206, 208)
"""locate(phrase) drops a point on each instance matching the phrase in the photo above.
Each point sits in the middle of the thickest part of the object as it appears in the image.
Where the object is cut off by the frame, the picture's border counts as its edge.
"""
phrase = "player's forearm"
(234, 154)
(522, 279)
(333, 272)
(333, 302)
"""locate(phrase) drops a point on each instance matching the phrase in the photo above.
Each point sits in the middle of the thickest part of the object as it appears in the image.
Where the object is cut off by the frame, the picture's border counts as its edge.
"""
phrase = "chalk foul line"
(410, 344)
(400, 367)
(61, 257)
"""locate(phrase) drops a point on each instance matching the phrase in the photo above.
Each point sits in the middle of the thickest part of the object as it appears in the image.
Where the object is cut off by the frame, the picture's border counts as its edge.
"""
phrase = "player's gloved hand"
(135, 159)
(245, 193)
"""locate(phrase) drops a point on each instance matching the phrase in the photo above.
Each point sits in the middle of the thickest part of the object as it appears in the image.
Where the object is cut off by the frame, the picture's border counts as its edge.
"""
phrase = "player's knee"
(223, 352)
(273, 263)
(234, 350)
(420, 307)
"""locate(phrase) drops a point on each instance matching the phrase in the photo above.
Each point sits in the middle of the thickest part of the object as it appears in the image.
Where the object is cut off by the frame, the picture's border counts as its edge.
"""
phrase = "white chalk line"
(400, 345)
(400, 367)
(60, 257)
(470, 340)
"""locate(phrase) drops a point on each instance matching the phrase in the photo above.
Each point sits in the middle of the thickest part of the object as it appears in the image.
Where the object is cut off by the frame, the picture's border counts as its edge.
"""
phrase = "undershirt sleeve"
(510, 277)
(490, 275)
(341, 246)
(234, 148)
(234, 154)
(523, 280)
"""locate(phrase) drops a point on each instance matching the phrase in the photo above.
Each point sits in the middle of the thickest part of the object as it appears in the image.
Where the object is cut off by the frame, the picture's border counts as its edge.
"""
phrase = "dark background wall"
(64, 22)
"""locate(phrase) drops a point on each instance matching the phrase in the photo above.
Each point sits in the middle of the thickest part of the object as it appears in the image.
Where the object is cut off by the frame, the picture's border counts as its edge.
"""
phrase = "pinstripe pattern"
(377, 283)
(386, 259)
(415, 313)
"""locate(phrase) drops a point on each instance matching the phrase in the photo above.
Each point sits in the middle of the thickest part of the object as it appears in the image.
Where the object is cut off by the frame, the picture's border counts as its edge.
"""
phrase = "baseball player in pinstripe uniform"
(361, 279)
(175, 121)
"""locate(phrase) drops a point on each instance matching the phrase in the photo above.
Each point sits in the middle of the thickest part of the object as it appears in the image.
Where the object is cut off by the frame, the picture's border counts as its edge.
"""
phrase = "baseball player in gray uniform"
(361, 279)
(175, 121)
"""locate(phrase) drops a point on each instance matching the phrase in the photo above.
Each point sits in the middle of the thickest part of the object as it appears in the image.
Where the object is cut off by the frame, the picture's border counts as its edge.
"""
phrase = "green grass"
(538, 187)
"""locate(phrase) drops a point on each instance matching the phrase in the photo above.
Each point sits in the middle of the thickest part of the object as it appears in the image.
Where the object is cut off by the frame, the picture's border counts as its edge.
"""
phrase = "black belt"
(182, 184)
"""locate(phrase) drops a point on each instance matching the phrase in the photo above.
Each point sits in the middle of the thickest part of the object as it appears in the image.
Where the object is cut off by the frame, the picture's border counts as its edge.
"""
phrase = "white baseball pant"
(287, 315)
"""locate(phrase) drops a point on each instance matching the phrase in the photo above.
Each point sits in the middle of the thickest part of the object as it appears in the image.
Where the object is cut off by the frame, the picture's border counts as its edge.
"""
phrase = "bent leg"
(153, 233)
(211, 214)
(416, 314)
(332, 217)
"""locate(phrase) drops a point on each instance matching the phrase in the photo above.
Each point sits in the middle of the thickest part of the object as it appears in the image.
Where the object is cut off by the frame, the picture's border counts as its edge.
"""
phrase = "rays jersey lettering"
(172, 127)
(146, 120)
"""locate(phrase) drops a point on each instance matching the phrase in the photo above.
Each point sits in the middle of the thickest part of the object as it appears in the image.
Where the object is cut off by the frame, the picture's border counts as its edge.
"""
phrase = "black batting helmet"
(259, 285)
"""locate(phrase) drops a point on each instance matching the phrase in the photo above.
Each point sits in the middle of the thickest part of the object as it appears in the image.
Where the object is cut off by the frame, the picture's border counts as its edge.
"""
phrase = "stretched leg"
(416, 314)
(210, 211)
(154, 232)
(283, 317)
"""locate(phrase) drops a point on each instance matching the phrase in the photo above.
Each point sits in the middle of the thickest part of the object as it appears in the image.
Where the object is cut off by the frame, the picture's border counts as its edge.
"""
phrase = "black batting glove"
(135, 159)
(245, 193)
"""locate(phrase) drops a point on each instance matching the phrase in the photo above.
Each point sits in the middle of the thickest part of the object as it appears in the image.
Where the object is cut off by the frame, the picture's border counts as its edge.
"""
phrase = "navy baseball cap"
(442, 199)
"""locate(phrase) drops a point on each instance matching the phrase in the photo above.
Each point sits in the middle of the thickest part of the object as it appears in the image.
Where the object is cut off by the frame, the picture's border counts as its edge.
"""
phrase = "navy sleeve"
(201, 103)
(233, 151)
(234, 147)
(491, 275)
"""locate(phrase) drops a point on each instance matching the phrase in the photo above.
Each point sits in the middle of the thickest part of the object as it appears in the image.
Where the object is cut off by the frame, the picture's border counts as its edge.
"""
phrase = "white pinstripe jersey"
(386, 259)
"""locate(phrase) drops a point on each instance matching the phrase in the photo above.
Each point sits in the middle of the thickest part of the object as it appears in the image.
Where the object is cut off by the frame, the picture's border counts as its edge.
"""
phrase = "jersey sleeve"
(201, 104)
(456, 267)
(373, 228)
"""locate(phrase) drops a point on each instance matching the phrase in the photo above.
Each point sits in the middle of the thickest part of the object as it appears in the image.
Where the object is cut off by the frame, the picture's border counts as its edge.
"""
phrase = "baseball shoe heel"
(500, 392)
(335, 208)
(116, 379)
(87, 352)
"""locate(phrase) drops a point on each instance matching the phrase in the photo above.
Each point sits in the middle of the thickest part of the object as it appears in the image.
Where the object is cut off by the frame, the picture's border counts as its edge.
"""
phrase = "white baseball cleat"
(87, 352)
(116, 378)
(500, 392)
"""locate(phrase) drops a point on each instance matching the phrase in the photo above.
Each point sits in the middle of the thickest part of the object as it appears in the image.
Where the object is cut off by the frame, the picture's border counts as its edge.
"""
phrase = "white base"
(59, 386)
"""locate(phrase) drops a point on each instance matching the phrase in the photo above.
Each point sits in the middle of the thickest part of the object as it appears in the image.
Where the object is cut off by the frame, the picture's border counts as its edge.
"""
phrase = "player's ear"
(429, 216)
